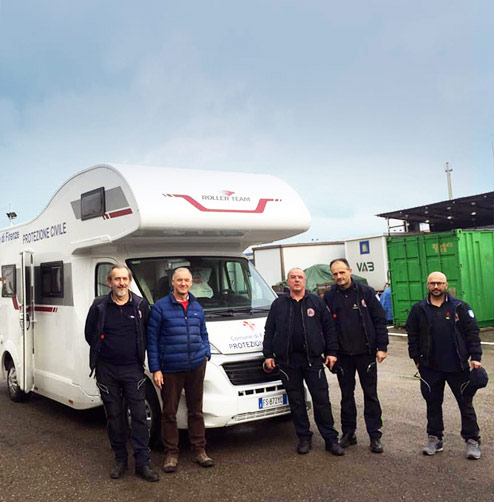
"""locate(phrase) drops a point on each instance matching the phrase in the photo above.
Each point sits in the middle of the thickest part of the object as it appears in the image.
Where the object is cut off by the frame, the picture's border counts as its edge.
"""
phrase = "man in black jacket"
(442, 335)
(298, 331)
(363, 338)
(116, 332)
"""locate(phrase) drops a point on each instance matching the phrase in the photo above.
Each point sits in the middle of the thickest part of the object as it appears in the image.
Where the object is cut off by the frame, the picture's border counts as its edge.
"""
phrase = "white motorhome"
(153, 220)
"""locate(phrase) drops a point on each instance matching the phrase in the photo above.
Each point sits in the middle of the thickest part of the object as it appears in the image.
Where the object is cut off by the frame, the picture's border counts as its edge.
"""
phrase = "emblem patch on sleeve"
(471, 314)
(310, 312)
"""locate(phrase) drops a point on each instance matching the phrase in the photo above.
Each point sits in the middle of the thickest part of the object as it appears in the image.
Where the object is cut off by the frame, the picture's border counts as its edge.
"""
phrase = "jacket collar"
(192, 298)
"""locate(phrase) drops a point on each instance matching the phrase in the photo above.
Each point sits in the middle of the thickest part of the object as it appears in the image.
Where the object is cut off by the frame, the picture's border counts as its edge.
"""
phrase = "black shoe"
(375, 445)
(348, 439)
(335, 448)
(145, 472)
(118, 469)
(304, 446)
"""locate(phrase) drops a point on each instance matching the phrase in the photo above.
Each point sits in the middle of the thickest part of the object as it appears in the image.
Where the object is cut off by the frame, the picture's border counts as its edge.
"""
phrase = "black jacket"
(372, 315)
(463, 327)
(319, 331)
(96, 320)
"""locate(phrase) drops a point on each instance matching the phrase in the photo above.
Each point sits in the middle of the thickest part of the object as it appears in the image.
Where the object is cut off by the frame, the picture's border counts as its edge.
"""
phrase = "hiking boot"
(375, 445)
(304, 446)
(348, 439)
(118, 469)
(335, 448)
(203, 460)
(170, 463)
(434, 444)
(145, 472)
(472, 450)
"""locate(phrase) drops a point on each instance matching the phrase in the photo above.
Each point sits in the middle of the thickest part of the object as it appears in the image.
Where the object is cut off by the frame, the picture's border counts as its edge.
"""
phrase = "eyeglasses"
(435, 283)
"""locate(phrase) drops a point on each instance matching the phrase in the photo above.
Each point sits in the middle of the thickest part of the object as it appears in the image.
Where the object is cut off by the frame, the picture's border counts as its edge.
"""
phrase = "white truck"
(368, 258)
(153, 220)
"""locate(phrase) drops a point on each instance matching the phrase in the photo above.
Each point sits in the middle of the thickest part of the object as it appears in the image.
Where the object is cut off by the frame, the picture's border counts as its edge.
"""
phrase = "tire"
(13, 390)
(153, 413)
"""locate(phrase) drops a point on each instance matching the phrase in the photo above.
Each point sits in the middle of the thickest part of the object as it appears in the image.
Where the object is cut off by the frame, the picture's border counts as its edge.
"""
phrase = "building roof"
(464, 212)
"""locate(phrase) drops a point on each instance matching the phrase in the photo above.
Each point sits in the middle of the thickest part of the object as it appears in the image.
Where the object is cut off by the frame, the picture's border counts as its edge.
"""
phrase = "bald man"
(442, 336)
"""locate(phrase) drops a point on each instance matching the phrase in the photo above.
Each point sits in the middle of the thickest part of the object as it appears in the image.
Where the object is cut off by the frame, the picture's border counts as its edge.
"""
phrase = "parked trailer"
(153, 220)
(466, 257)
(368, 258)
(274, 261)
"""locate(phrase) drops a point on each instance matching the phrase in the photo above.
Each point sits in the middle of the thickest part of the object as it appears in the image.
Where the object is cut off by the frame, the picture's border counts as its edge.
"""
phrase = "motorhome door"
(27, 320)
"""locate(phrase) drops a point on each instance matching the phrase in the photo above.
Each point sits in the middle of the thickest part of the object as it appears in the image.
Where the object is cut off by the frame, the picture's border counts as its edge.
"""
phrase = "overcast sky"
(358, 104)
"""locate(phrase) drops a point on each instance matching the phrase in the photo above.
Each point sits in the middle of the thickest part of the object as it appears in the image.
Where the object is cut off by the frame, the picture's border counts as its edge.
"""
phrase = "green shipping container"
(466, 257)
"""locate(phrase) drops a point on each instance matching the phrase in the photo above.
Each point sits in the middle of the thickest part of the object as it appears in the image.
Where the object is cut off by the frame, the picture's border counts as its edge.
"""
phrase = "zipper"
(305, 333)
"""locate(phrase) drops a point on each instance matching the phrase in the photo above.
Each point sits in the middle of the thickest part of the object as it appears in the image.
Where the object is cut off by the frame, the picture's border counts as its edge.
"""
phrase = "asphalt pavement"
(49, 452)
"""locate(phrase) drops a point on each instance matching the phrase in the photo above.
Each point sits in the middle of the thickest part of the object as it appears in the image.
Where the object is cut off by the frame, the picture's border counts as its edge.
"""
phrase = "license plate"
(273, 401)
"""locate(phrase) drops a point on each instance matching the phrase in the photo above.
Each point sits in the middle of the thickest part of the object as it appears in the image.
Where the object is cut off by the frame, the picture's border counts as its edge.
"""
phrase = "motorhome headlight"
(214, 350)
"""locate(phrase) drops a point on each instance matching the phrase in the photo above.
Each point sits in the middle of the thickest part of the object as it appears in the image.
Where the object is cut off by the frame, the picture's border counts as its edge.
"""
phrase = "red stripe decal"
(261, 206)
(14, 301)
(122, 212)
(39, 308)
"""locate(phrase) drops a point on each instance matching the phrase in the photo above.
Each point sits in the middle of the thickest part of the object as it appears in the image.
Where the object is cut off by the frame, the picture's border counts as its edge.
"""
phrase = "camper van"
(153, 220)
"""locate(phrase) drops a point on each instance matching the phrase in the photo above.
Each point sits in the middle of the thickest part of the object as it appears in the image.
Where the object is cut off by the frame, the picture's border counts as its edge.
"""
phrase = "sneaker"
(304, 446)
(170, 463)
(145, 472)
(375, 445)
(203, 460)
(434, 444)
(472, 449)
(348, 439)
(335, 448)
(118, 469)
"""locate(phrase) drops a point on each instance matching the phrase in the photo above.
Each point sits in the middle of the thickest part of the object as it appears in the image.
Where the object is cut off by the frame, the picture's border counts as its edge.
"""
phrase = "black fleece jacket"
(319, 331)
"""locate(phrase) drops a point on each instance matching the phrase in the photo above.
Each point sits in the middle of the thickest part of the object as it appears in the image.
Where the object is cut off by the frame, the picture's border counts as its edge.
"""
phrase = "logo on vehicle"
(249, 324)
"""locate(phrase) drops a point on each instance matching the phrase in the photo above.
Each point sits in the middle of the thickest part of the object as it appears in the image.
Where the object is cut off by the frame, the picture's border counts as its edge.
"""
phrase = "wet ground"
(49, 452)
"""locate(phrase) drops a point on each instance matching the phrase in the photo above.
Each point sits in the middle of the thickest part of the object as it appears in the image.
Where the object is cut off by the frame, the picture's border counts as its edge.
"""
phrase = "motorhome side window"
(101, 286)
(93, 204)
(8, 281)
(52, 279)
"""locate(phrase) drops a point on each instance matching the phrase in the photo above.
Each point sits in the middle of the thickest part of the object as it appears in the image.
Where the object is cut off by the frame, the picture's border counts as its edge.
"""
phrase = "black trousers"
(366, 366)
(118, 384)
(432, 383)
(293, 377)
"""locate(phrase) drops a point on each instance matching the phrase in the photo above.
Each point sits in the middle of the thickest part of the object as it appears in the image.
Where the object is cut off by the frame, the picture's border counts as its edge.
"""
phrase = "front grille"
(249, 372)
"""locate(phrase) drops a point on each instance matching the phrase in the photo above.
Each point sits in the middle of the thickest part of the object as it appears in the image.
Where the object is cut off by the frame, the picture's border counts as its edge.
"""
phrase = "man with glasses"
(442, 335)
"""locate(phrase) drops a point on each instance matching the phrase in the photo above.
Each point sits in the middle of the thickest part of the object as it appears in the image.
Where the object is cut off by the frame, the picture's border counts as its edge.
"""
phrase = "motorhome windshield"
(222, 285)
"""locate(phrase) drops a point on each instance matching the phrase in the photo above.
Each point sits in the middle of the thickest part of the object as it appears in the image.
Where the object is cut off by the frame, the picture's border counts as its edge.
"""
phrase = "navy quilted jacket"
(177, 340)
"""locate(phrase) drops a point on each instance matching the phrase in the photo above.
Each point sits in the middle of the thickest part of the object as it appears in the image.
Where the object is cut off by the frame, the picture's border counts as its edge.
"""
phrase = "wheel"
(153, 416)
(13, 390)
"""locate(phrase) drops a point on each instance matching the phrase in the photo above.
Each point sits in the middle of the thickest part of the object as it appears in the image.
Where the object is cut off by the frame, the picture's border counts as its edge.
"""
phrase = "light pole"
(448, 174)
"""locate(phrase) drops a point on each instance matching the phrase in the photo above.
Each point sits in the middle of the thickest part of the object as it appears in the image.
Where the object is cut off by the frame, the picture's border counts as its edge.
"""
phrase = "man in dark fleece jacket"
(116, 333)
(363, 339)
(299, 338)
(442, 336)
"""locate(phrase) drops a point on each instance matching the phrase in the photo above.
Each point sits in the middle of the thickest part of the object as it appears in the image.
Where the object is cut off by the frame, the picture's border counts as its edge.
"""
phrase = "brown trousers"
(193, 383)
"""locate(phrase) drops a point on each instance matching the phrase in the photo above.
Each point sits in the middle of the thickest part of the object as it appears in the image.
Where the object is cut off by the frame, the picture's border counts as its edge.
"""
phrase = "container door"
(27, 320)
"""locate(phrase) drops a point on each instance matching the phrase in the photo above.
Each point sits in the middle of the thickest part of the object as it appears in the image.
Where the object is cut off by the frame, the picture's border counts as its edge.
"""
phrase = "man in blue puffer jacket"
(178, 349)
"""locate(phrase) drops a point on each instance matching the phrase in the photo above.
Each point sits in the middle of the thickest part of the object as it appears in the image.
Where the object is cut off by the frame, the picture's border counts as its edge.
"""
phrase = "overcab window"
(93, 204)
